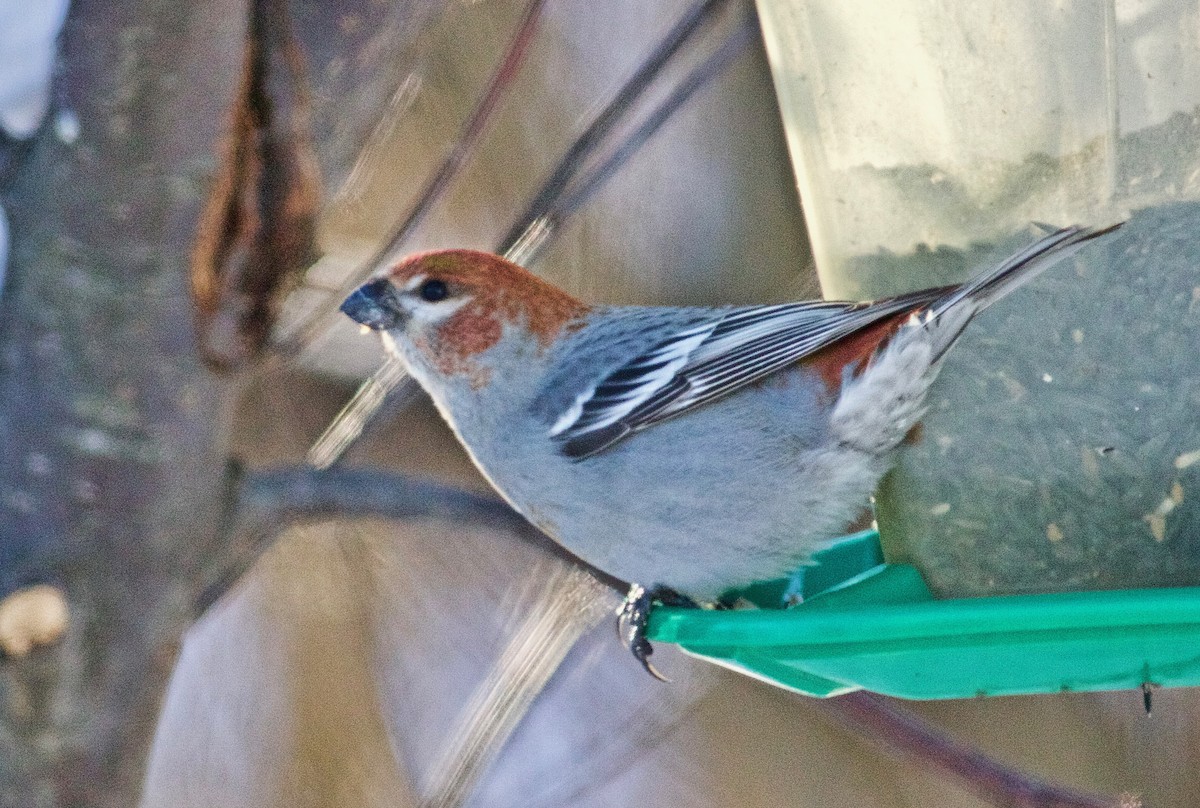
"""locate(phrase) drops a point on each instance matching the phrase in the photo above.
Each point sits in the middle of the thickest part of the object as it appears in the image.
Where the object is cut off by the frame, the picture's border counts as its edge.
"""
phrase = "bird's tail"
(950, 314)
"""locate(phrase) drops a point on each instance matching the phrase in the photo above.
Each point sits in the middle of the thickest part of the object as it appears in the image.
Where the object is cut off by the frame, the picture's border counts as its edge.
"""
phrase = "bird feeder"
(864, 624)
(1043, 532)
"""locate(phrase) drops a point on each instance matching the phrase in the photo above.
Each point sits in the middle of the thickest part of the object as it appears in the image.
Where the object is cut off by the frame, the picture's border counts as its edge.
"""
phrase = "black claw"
(642, 649)
(634, 615)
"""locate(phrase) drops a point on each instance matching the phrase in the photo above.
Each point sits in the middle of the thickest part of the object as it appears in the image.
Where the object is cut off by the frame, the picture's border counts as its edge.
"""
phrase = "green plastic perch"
(872, 626)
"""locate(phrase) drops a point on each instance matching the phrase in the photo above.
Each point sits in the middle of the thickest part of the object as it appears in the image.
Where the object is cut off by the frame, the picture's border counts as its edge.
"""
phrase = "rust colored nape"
(256, 232)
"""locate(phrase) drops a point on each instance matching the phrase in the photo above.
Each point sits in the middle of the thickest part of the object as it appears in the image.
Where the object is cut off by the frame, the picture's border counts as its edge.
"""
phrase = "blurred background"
(191, 188)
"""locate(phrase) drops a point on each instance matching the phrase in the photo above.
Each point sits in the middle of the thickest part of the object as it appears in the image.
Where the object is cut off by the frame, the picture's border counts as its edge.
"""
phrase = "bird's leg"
(634, 614)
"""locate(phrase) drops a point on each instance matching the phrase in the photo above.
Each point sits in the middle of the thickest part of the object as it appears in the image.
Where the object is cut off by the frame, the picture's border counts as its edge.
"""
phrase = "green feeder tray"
(866, 625)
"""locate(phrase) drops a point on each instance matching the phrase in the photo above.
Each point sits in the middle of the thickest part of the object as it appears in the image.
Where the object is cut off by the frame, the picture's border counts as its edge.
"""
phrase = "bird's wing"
(710, 359)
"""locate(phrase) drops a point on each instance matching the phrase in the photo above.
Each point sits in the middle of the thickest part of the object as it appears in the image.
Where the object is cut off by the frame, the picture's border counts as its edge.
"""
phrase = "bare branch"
(906, 736)
(269, 501)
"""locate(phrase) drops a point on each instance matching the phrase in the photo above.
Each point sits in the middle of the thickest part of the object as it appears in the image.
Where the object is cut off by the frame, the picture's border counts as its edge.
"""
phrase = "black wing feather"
(741, 347)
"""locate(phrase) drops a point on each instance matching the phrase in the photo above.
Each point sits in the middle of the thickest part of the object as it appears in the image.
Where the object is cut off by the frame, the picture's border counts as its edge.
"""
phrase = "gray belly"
(743, 489)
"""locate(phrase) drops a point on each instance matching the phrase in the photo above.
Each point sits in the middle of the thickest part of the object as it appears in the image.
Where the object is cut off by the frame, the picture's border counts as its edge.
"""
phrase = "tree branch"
(267, 502)
(905, 736)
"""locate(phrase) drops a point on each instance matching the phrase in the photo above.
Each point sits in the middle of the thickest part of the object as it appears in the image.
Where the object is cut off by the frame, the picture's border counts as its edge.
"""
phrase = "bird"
(689, 451)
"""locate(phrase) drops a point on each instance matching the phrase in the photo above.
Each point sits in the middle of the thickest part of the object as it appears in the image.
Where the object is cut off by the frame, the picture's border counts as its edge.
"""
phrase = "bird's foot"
(634, 615)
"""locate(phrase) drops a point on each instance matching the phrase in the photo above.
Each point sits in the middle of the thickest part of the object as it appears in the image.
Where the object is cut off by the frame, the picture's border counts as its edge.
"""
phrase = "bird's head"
(444, 309)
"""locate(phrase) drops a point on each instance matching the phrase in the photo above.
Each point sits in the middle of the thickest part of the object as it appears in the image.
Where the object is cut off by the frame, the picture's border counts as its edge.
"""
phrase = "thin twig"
(906, 736)
(567, 198)
(464, 147)
(712, 67)
(594, 135)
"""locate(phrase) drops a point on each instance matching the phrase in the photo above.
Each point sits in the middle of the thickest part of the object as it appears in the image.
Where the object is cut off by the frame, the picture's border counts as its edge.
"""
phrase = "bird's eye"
(433, 290)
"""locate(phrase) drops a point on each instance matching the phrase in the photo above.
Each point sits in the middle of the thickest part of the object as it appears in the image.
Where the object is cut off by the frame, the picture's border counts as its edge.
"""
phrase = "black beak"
(374, 305)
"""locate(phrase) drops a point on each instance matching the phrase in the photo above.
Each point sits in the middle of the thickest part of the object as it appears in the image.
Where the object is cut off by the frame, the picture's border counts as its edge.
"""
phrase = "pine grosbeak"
(699, 449)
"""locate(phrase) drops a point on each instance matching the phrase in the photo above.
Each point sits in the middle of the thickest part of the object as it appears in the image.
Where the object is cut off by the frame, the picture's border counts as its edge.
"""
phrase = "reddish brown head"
(452, 305)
